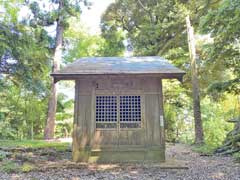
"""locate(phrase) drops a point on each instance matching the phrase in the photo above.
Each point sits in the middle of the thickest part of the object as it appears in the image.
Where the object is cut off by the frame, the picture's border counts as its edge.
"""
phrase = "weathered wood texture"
(104, 145)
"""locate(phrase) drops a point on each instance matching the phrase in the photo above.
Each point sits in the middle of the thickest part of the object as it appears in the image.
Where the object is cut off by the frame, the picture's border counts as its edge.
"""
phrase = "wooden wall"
(86, 136)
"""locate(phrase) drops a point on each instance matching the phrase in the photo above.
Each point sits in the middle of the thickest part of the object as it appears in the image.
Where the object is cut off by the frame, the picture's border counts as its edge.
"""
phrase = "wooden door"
(119, 119)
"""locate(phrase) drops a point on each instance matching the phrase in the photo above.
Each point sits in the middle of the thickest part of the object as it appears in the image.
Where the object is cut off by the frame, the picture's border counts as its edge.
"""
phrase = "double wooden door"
(119, 119)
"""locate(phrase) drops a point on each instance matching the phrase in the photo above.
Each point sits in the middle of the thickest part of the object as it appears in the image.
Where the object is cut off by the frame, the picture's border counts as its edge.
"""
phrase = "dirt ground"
(195, 167)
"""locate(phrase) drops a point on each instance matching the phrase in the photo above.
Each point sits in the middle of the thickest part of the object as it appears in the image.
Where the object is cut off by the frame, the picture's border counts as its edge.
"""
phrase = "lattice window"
(106, 112)
(130, 111)
(107, 109)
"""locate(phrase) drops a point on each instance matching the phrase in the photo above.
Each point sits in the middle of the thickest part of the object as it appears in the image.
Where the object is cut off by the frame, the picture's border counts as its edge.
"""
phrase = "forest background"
(127, 27)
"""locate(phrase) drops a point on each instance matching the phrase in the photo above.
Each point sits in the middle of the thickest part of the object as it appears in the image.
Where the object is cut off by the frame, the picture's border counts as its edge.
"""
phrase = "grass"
(10, 164)
(204, 149)
(34, 144)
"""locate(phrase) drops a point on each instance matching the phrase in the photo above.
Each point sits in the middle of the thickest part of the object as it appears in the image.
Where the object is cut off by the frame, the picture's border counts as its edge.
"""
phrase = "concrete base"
(119, 155)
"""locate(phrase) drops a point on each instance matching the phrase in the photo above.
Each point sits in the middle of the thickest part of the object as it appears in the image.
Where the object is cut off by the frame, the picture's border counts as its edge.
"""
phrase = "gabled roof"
(149, 65)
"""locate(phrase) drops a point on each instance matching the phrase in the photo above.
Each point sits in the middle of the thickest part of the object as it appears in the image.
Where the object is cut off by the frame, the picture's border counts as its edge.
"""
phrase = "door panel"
(129, 117)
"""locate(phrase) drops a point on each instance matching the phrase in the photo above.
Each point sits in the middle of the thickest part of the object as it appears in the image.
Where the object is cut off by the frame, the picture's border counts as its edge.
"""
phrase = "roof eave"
(71, 76)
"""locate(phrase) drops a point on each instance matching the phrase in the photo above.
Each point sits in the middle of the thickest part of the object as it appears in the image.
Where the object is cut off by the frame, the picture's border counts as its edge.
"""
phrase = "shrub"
(237, 156)
(9, 167)
(214, 116)
(3, 155)
(27, 167)
(204, 149)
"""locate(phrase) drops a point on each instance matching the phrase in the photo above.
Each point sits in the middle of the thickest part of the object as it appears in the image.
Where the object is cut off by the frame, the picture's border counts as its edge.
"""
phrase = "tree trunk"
(199, 137)
(52, 103)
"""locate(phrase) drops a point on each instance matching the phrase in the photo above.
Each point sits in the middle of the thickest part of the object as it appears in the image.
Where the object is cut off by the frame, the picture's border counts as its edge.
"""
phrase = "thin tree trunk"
(199, 136)
(52, 104)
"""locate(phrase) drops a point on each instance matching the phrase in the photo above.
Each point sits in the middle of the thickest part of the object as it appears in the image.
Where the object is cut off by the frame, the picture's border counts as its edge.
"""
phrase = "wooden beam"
(58, 77)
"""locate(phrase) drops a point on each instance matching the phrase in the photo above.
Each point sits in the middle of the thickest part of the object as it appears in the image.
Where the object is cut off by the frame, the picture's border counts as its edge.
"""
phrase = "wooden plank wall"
(82, 116)
(152, 88)
(85, 134)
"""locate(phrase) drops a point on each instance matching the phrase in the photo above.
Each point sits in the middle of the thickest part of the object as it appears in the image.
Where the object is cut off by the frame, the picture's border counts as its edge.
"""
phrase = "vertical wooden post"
(75, 142)
(161, 118)
(199, 137)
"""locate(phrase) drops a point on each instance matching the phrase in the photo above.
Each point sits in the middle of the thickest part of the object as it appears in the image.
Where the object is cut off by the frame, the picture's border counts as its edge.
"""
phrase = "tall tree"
(60, 16)
(199, 137)
(52, 103)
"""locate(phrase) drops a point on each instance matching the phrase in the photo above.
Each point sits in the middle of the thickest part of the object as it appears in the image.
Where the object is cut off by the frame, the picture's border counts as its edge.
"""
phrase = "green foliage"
(68, 9)
(177, 109)
(237, 156)
(25, 56)
(64, 116)
(223, 25)
(170, 118)
(7, 132)
(113, 41)
(79, 43)
(204, 149)
(215, 116)
(24, 80)
(28, 53)
(11, 9)
(178, 116)
(23, 50)
(3, 155)
(18, 109)
(9, 167)
(152, 26)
